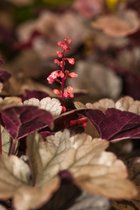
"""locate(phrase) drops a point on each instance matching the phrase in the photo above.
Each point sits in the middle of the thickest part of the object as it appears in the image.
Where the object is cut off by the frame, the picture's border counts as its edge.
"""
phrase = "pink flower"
(54, 75)
(60, 43)
(68, 92)
(57, 92)
(73, 75)
(60, 54)
(59, 63)
(64, 44)
(67, 41)
(70, 60)
(70, 74)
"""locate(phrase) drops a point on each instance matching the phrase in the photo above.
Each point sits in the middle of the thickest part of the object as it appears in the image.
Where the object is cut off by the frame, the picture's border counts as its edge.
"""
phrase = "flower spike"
(60, 76)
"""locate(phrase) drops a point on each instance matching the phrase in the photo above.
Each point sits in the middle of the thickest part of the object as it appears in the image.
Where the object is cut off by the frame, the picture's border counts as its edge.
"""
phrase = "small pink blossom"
(57, 92)
(64, 44)
(59, 63)
(59, 43)
(54, 75)
(65, 47)
(67, 41)
(73, 75)
(70, 60)
(60, 54)
(68, 92)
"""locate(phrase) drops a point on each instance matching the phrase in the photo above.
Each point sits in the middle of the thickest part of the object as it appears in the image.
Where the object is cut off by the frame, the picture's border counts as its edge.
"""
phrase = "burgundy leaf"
(34, 94)
(70, 120)
(115, 125)
(24, 120)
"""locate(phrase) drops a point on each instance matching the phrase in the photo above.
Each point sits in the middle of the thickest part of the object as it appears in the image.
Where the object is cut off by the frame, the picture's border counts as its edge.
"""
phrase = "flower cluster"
(60, 75)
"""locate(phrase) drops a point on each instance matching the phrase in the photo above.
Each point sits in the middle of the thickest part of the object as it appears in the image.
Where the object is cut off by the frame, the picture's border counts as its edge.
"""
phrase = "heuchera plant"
(63, 155)
(60, 75)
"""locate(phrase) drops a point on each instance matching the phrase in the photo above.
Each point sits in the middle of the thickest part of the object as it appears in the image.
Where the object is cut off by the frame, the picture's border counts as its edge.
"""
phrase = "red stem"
(13, 147)
(63, 81)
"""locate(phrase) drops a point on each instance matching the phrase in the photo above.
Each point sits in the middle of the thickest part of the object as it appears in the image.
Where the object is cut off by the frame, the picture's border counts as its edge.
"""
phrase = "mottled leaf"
(92, 169)
(51, 105)
(21, 121)
(14, 173)
(101, 105)
(16, 183)
(126, 103)
(29, 197)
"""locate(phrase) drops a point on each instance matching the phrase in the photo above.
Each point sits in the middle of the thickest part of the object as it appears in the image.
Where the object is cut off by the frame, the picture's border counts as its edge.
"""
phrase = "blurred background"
(105, 43)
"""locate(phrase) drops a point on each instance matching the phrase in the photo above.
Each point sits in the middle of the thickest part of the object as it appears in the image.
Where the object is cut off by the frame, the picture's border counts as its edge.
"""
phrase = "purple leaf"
(64, 121)
(34, 94)
(24, 120)
(115, 125)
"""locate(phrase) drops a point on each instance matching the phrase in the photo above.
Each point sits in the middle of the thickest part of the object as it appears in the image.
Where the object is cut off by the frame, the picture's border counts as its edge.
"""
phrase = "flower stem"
(63, 81)
(60, 76)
